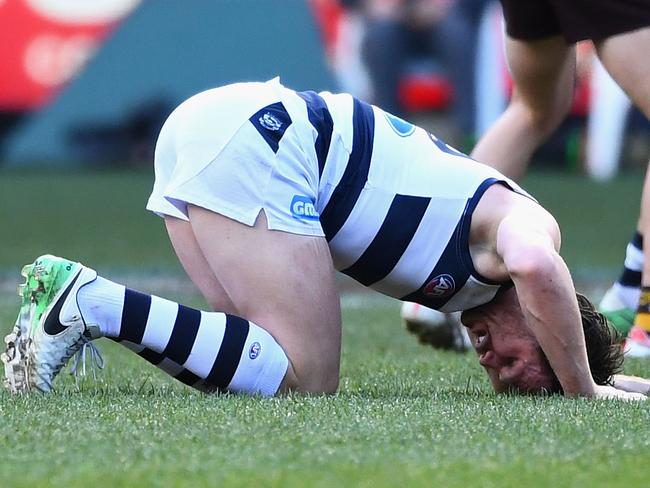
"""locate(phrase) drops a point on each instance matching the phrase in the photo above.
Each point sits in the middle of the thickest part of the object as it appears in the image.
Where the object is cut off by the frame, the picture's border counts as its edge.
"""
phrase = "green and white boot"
(50, 328)
(620, 316)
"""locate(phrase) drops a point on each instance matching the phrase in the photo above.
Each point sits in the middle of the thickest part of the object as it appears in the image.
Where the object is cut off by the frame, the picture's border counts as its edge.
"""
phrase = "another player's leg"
(543, 72)
(621, 300)
(437, 329)
(624, 58)
(638, 342)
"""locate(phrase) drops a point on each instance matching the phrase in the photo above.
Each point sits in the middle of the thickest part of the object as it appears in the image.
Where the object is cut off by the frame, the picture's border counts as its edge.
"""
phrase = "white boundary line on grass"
(176, 286)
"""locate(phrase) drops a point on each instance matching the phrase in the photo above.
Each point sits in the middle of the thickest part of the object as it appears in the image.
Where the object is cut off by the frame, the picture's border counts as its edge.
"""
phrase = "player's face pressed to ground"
(506, 346)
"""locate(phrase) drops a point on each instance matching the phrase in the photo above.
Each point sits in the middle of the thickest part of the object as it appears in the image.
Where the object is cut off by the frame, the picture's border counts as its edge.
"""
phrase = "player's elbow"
(530, 249)
(531, 262)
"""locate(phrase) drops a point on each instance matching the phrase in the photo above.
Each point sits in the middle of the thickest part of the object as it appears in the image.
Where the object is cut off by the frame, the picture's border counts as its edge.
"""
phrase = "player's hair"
(604, 344)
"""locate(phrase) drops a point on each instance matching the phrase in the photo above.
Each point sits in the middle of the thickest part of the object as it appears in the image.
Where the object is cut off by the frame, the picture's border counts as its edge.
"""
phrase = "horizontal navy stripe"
(227, 360)
(152, 356)
(134, 316)
(447, 277)
(630, 278)
(392, 239)
(187, 377)
(347, 192)
(321, 119)
(186, 327)
(148, 354)
(271, 122)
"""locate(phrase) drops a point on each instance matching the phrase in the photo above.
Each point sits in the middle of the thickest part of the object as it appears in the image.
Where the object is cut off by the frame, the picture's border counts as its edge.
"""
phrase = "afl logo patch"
(401, 127)
(441, 286)
(254, 351)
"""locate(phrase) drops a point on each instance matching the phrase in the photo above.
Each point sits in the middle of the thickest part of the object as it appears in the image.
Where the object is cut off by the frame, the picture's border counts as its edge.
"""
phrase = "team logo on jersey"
(441, 286)
(401, 127)
(270, 121)
(254, 351)
(303, 208)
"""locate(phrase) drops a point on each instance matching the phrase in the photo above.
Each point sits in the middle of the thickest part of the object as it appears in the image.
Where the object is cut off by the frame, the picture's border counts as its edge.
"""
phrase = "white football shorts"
(237, 150)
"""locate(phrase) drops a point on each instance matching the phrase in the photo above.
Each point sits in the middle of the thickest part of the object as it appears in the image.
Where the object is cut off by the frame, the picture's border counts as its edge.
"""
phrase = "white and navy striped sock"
(211, 351)
(628, 285)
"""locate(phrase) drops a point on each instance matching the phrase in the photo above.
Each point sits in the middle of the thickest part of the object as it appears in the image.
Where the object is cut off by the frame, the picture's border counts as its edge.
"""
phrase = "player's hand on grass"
(611, 392)
(634, 384)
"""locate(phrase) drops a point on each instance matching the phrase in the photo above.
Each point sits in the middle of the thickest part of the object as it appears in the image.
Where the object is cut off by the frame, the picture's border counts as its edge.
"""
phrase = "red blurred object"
(44, 44)
(581, 98)
(328, 17)
(430, 91)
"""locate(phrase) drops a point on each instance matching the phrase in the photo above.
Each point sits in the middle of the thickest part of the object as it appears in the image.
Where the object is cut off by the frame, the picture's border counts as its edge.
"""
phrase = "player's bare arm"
(528, 242)
(519, 240)
(632, 384)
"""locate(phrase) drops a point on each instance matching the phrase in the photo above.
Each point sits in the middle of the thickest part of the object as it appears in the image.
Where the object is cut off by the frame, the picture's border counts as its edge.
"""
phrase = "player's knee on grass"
(311, 378)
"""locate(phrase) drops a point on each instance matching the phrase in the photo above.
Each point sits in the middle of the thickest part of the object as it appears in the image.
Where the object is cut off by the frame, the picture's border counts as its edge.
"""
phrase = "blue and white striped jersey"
(395, 203)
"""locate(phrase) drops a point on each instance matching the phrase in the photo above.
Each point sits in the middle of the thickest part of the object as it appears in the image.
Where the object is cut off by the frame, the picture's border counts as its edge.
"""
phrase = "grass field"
(405, 415)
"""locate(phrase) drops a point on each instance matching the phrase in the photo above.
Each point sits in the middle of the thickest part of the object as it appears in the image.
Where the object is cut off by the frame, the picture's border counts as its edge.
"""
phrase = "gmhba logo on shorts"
(303, 208)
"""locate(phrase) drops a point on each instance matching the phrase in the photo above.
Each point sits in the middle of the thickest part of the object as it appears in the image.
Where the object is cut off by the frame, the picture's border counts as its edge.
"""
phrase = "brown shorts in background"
(575, 20)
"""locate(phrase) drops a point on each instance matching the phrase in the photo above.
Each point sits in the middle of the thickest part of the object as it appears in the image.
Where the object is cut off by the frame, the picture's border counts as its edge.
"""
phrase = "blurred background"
(85, 87)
